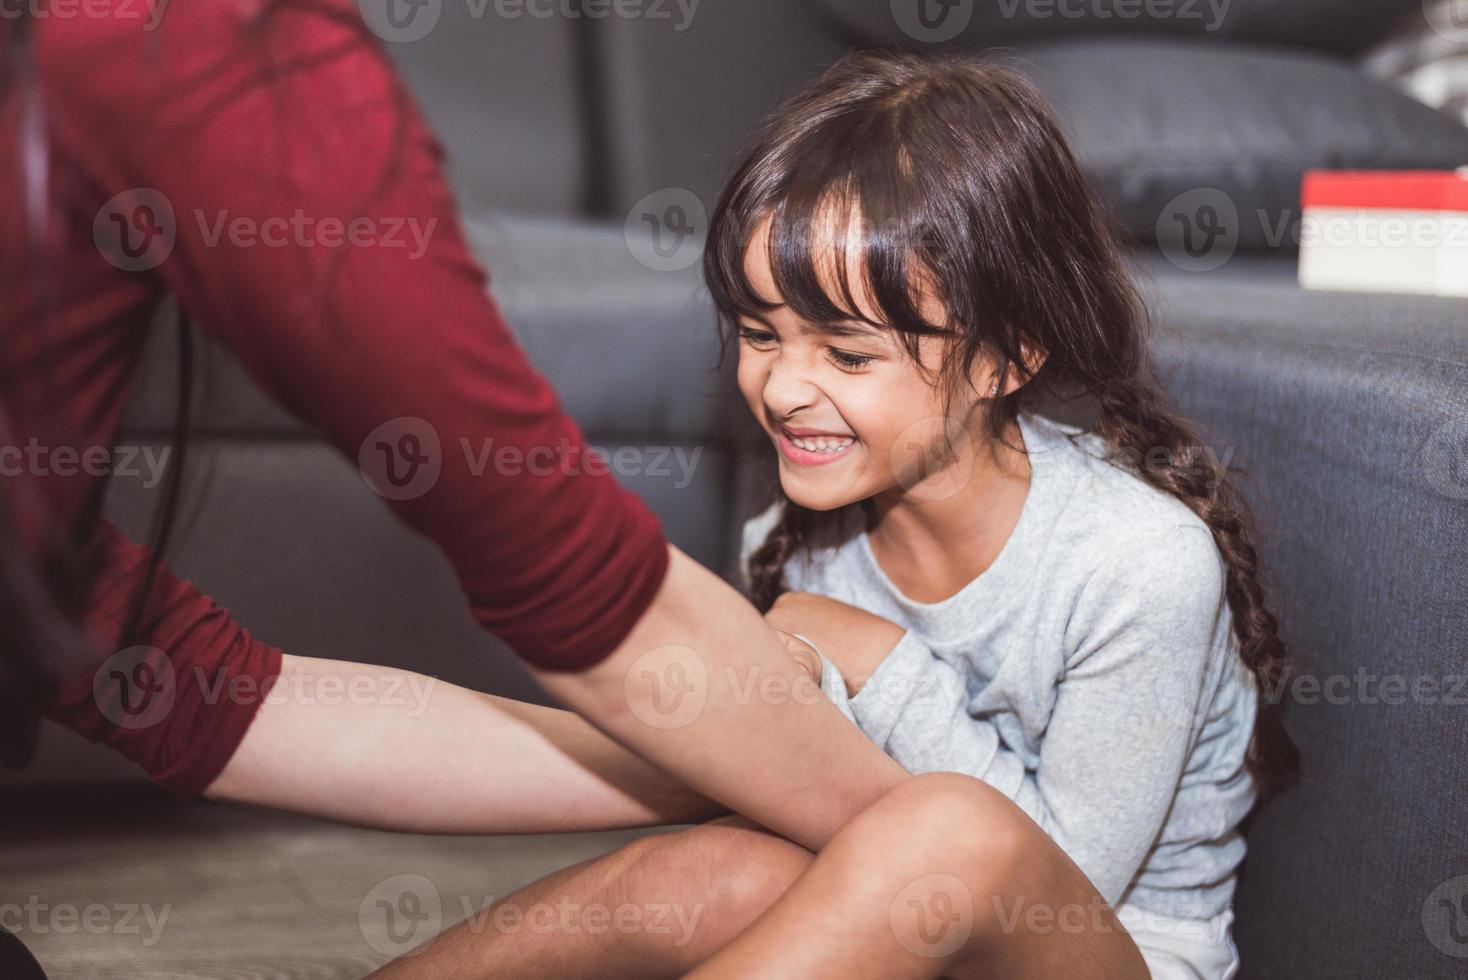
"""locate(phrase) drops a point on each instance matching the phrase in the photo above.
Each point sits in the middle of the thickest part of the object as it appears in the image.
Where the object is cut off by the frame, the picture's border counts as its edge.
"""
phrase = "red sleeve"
(179, 701)
(313, 231)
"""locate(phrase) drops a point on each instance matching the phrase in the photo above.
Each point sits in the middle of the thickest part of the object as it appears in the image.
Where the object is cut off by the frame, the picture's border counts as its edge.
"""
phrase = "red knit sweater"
(263, 164)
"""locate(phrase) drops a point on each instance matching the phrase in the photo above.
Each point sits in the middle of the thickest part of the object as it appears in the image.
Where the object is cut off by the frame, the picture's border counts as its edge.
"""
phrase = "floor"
(127, 882)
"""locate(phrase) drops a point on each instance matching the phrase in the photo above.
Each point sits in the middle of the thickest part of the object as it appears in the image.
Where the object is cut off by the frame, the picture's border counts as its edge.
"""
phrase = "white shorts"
(1184, 949)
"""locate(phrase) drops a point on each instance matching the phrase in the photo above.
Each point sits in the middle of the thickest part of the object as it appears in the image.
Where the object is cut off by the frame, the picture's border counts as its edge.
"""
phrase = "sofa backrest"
(1349, 414)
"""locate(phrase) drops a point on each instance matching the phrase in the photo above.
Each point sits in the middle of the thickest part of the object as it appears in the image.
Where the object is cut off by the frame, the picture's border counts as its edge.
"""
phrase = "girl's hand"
(804, 654)
(853, 639)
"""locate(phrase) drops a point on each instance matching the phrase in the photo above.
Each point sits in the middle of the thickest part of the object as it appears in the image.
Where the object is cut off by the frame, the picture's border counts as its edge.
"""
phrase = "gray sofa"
(1349, 413)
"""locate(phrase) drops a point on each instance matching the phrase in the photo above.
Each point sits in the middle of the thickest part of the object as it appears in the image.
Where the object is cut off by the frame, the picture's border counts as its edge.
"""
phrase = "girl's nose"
(788, 388)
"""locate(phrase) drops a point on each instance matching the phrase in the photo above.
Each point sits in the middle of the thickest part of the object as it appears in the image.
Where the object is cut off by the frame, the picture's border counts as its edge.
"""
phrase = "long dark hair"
(964, 182)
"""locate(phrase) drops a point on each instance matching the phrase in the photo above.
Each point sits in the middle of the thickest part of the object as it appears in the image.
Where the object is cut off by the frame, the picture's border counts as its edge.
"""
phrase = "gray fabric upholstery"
(502, 93)
(1166, 128)
(678, 103)
(579, 303)
(1350, 414)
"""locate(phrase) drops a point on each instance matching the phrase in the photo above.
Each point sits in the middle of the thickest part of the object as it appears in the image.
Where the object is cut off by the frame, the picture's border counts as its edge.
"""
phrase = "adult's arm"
(707, 690)
(267, 129)
(431, 757)
(203, 705)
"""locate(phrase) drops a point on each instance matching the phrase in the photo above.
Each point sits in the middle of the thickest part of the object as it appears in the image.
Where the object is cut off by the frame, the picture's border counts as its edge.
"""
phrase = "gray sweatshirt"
(1090, 674)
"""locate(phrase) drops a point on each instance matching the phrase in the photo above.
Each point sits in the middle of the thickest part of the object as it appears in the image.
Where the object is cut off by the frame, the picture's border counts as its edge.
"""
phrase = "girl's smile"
(812, 447)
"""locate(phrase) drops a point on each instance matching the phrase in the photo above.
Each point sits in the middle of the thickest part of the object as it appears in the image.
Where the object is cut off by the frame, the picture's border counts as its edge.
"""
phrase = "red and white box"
(1385, 231)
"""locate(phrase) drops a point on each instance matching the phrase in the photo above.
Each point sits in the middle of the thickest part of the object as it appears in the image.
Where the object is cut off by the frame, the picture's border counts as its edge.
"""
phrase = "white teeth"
(821, 444)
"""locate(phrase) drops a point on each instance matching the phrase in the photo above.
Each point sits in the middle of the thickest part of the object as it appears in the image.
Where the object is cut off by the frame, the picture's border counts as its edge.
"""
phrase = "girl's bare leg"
(655, 908)
(943, 876)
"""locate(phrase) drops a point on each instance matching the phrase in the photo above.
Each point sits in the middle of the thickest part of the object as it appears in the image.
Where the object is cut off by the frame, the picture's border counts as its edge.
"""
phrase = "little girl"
(914, 263)
(1065, 616)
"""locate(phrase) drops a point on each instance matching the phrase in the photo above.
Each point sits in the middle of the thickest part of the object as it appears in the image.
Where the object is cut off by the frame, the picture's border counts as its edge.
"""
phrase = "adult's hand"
(804, 653)
(855, 640)
(706, 689)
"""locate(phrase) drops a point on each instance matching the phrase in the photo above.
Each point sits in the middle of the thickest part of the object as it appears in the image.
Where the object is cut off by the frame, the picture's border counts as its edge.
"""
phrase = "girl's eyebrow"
(833, 328)
(846, 329)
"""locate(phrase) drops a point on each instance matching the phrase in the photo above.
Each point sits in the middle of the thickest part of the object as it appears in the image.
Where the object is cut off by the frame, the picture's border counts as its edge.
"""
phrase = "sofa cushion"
(631, 351)
(679, 96)
(502, 89)
(1193, 143)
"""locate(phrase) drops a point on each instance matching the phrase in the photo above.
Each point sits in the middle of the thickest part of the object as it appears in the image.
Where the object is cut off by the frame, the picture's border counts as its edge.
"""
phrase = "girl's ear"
(1033, 357)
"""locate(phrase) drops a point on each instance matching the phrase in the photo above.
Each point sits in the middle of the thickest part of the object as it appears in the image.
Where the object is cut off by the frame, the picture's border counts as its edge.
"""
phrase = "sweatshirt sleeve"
(1145, 638)
(300, 211)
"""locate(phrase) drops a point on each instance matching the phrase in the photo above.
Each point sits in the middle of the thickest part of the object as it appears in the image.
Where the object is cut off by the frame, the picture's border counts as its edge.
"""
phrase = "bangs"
(837, 202)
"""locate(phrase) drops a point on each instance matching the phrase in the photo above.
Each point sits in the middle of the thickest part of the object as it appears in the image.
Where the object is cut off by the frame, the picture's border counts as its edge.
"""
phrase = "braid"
(1136, 423)
(790, 535)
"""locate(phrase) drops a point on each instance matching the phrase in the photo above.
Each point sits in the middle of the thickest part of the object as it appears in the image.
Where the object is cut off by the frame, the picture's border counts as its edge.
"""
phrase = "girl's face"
(850, 413)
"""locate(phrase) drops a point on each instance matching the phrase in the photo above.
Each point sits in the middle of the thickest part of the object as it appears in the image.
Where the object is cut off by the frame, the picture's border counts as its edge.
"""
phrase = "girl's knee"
(727, 869)
(950, 822)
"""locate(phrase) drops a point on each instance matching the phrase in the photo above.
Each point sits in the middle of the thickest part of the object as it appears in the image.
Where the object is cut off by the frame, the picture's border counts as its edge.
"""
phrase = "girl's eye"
(756, 338)
(850, 361)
